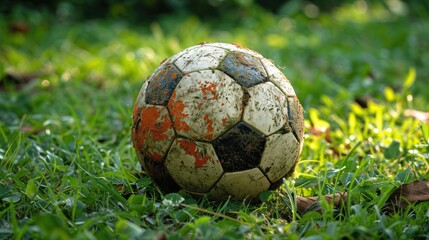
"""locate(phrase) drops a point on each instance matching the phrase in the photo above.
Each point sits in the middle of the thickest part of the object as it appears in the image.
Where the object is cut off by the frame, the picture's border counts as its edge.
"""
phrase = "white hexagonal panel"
(241, 185)
(235, 47)
(193, 165)
(184, 51)
(200, 58)
(280, 155)
(154, 132)
(205, 104)
(278, 78)
(266, 109)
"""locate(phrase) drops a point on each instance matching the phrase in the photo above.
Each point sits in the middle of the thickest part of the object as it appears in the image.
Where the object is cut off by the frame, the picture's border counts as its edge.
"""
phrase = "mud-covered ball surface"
(220, 120)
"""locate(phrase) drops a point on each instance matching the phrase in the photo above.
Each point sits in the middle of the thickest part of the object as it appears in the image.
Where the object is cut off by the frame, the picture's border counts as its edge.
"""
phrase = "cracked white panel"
(266, 109)
(241, 185)
(279, 156)
(200, 58)
(234, 47)
(193, 165)
(278, 78)
(205, 104)
(179, 54)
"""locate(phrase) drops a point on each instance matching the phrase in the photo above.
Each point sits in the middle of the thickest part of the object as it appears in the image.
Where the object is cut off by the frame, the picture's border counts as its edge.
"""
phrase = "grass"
(68, 170)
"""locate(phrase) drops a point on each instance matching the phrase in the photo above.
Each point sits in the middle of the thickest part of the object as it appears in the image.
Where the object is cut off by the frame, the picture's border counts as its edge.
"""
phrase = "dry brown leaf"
(30, 129)
(419, 115)
(410, 193)
(305, 204)
(19, 27)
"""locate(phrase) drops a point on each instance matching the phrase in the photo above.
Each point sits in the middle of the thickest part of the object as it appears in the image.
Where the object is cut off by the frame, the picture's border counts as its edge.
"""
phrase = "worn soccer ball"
(218, 119)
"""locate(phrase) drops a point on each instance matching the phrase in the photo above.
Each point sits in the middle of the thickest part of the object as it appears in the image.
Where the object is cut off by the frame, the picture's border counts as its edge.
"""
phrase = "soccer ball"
(218, 119)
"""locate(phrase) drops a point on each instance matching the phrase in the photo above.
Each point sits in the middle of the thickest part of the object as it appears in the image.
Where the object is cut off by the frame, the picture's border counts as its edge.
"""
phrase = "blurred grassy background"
(86, 53)
(349, 51)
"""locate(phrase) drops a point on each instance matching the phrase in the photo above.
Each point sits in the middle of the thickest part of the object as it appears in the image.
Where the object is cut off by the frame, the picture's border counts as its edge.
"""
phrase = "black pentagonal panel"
(160, 175)
(246, 69)
(240, 148)
(162, 84)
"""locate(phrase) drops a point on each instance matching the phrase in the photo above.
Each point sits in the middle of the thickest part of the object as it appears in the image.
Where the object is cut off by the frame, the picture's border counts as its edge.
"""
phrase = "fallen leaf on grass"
(305, 204)
(410, 193)
(419, 115)
(321, 131)
(30, 129)
(19, 27)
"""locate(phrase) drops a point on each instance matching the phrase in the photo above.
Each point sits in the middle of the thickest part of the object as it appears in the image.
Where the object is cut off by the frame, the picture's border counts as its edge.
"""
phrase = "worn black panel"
(162, 84)
(247, 70)
(160, 175)
(240, 148)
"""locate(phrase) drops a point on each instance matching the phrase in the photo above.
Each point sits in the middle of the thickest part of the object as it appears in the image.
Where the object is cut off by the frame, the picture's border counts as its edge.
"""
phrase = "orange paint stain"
(155, 124)
(155, 156)
(177, 109)
(155, 128)
(200, 105)
(224, 121)
(208, 88)
(190, 148)
(209, 134)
